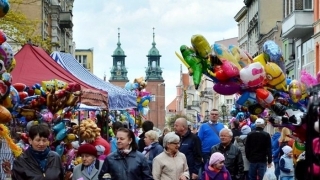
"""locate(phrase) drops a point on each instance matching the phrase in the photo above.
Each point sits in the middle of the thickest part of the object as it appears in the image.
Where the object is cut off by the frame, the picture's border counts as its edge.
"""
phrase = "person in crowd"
(232, 154)
(164, 132)
(240, 142)
(235, 129)
(146, 126)
(190, 146)
(113, 143)
(90, 167)
(170, 164)
(152, 148)
(215, 168)
(126, 163)
(286, 164)
(38, 161)
(276, 151)
(258, 150)
(209, 134)
(285, 139)
(100, 150)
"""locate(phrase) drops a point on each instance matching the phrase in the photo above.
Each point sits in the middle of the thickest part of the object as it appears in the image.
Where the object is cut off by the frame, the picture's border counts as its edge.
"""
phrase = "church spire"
(119, 44)
(153, 43)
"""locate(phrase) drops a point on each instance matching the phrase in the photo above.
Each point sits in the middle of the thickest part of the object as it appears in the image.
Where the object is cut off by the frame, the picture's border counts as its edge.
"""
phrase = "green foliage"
(20, 29)
(172, 119)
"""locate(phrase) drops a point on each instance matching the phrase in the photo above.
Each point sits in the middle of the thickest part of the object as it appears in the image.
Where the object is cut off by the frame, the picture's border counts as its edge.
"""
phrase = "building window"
(229, 101)
(82, 59)
(307, 59)
(308, 4)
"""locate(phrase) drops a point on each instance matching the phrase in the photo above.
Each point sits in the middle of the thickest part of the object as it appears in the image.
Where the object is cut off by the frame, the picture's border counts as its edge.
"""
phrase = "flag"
(198, 117)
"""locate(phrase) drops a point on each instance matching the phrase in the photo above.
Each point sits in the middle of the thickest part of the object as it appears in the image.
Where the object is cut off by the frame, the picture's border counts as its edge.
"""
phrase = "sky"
(96, 26)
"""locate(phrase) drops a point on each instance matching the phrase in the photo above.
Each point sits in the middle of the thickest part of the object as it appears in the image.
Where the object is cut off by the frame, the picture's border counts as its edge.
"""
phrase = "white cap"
(259, 121)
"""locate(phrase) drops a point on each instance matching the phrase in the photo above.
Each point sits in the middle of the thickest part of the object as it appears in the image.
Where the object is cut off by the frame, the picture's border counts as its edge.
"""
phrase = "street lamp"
(224, 110)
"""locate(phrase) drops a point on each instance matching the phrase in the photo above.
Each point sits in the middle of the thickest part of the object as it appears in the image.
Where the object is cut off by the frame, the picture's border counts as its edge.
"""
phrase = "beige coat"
(166, 167)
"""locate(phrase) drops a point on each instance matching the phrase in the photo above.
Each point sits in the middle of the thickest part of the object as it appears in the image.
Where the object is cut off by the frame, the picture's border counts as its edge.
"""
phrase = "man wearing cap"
(90, 167)
(258, 150)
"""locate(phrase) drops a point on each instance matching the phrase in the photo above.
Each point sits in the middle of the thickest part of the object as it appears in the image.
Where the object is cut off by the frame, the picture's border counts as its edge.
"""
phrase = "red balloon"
(19, 87)
(220, 74)
(3, 37)
(23, 95)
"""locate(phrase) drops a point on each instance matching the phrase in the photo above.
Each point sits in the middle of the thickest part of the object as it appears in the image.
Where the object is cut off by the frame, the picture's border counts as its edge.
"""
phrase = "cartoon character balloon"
(253, 75)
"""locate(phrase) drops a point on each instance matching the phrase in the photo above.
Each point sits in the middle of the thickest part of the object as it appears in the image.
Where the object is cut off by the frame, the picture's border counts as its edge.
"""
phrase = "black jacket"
(133, 166)
(233, 159)
(258, 146)
(190, 146)
(25, 167)
(235, 132)
(141, 143)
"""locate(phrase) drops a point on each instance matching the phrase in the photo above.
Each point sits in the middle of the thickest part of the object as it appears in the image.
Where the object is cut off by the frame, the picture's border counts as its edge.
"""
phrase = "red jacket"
(104, 143)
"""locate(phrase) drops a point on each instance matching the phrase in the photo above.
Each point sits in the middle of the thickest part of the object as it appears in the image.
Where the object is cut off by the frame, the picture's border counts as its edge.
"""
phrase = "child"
(215, 169)
(286, 164)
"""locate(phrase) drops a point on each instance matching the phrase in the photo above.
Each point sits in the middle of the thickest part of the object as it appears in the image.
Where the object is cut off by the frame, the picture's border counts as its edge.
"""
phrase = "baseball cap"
(259, 121)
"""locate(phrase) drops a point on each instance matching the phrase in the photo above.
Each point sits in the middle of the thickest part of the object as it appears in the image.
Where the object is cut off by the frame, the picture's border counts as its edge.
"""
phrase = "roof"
(34, 65)
(119, 98)
(172, 105)
(227, 42)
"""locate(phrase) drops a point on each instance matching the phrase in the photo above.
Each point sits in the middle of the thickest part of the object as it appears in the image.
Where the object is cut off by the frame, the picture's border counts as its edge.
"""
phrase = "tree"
(20, 29)
(172, 118)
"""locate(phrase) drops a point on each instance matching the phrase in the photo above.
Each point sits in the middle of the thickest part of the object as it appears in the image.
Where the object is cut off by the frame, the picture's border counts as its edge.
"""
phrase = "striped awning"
(118, 98)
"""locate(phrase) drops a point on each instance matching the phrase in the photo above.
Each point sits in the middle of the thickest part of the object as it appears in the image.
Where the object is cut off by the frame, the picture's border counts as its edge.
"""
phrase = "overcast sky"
(96, 26)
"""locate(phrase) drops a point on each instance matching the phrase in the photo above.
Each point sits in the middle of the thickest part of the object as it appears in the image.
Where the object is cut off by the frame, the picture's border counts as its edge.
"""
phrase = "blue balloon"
(60, 149)
(58, 127)
(61, 134)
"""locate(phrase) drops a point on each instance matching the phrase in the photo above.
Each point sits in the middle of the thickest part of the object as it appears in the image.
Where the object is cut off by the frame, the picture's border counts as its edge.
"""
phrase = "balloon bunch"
(88, 130)
(143, 97)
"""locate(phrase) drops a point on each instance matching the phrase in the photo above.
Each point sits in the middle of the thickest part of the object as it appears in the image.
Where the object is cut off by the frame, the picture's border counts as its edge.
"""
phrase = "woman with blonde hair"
(170, 164)
(152, 148)
(285, 139)
(164, 132)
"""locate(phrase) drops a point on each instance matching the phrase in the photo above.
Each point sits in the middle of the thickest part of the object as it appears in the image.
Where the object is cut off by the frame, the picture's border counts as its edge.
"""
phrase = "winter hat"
(100, 149)
(286, 149)
(215, 158)
(87, 149)
(245, 130)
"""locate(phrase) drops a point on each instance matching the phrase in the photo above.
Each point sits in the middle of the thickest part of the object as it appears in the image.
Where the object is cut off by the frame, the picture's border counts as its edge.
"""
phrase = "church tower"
(119, 71)
(156, 86)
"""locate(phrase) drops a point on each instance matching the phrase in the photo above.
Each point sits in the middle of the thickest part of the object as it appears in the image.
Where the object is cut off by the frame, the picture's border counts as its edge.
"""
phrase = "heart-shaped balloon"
(227, 88)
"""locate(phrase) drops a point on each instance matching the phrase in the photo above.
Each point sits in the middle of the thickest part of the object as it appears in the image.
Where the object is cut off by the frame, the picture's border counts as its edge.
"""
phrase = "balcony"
(66, 20)
(298, 24)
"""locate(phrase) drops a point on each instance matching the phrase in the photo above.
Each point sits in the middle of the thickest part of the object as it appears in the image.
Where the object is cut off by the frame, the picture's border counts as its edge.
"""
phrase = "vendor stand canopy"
(119, 98)
(34, 65)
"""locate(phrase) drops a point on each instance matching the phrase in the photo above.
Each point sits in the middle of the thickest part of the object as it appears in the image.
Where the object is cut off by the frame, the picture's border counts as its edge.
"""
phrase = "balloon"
(201, 45)
(22, 121)
(253, 75)
(70, 155)
(60, 149)
(6, 54)
(2, 67)
(229, 69)
(19, 87)
(273, 51)
(193, 64)
(5, 115)
(295, 91)
(240, 56)
(4, 7)
(260, 59)
(3, 37)
(288, 80)
(307, 78)
(227, 88)
(247, 98)
(48, 86)
(223, 53)
(275, 77)
(4, 90)
(30, 124)
(12, 66)
(7, 103)
(131, 86)
(60, 84)
(219, 73)
(264, 97)
(255, 109)
(46, 115)
(61, 134)
(58, 127)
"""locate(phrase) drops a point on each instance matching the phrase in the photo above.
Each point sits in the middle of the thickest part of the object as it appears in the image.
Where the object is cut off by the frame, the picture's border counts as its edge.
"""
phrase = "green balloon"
(195, 63)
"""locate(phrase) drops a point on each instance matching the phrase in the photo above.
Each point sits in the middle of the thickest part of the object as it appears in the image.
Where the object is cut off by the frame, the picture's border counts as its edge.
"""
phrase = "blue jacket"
(275, 146)
(208, 136)
(133, 166)
(154, 151)
(190, 146)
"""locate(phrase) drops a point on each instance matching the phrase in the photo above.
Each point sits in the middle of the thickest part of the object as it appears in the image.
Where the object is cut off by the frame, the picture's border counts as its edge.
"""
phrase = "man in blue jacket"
(275, 152)
(190, 146)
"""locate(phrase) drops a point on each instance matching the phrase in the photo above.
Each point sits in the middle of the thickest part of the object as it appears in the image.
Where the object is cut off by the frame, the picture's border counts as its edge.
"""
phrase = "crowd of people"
(214, 152)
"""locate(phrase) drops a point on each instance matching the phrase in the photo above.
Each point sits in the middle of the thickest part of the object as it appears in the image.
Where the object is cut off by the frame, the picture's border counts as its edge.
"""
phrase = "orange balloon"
(5, 115)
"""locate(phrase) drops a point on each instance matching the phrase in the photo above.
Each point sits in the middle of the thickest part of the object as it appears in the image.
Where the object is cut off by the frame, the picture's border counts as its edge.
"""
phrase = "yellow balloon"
(260, 59)
(12, 65)
(7, 103)
(275, 76)
(201, 45)
(145, 103)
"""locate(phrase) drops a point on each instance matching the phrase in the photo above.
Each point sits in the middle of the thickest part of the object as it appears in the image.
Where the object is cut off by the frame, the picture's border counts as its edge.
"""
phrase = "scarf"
(125, 152)
(90, 167)
(147, 149)
(40, 157)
